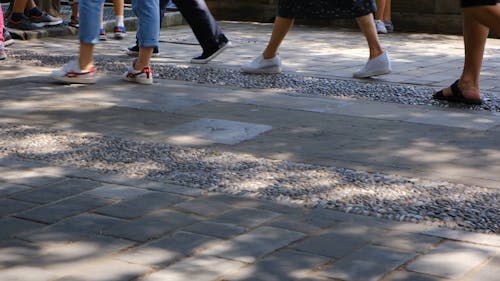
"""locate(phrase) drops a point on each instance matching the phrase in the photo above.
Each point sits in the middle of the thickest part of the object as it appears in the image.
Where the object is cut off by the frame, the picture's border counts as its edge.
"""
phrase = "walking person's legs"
(478, 20)
(379, 16)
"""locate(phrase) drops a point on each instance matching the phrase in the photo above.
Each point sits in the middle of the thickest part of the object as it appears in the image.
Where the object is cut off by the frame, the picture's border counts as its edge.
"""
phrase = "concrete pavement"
(69, 222)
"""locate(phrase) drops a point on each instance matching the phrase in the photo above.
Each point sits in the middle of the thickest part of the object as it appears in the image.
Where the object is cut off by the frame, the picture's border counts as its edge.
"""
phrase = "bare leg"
(387, 17)
(280, 29)
(86, 56)
(367, 26)
(477, 21)
(144, 58)
(19, 6)
(118, 7)
(379, 15)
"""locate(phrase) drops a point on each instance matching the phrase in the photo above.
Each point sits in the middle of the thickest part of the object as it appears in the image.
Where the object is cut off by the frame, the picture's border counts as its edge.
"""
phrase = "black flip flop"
(456, 96)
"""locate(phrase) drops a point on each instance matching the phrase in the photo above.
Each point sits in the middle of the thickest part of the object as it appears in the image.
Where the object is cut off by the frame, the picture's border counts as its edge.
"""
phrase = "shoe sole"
(371, 74)
(73, 80)
(119, 36)
(9, 42)
(269, 70)
(218, 52)
(139, 81)
(42, 24)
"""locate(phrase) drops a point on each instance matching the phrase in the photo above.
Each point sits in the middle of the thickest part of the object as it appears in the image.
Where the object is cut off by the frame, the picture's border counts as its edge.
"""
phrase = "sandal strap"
(455, 90)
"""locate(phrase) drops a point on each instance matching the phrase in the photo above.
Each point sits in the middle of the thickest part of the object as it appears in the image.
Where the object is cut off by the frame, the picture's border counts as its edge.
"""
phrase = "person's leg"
(148, 32)
(19, 6)
(205, 28)
(477, 22)
(367, 26)
(378, 62)
(281, 27)
(119, 29)
(379, 16)
(387, 16)
(269, 61)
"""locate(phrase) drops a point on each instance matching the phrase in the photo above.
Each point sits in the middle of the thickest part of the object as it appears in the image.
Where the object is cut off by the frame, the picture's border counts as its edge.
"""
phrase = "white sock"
(119, 21)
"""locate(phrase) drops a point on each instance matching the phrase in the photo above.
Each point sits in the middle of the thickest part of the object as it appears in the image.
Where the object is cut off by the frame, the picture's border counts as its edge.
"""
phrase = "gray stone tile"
(10, 188)
(300, 223)
(52, 213)
(246, 217)
(13, 226)
(9, 206)
(73, 228)
(209, 131)
(488, 272)
(104, 269)
(410, 242)
(203, 207)
(219, 230)
(250, 246)
(199, 268)
(286, 265)
(167, 250)
(340, 240)
(410, 276)
(112, 191)
(16, 253)
(452, 260)
(152, 226)
(25, 273)
(367, 264)
(56, 191)
(465, 236)
(177, 189)
(142, 205)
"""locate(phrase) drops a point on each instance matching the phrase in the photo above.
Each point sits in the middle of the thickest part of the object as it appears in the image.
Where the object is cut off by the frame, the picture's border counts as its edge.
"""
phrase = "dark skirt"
(325, 9)
(470, 3)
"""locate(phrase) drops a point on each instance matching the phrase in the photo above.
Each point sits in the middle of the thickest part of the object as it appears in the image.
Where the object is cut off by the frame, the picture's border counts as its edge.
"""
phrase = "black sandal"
(457, 96)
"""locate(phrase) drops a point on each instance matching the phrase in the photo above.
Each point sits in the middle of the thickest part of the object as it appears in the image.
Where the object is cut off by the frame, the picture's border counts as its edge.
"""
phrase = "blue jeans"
(148, 30)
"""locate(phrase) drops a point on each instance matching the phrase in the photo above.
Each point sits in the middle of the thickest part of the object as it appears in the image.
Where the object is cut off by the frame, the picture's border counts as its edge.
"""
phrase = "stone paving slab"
(452, 260)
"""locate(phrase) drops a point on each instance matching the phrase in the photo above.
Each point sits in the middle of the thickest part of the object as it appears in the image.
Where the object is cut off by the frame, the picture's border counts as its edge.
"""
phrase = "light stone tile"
(452, 260)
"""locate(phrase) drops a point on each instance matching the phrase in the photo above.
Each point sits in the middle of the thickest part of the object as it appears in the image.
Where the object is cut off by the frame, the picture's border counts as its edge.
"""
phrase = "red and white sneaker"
(71, 73)
(144, 76)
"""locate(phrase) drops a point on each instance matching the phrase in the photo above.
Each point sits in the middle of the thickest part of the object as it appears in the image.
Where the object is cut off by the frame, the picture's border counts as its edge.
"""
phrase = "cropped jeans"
(148, 30)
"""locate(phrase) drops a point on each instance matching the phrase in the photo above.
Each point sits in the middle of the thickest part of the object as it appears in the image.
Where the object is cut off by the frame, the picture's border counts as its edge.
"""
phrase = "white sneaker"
(144, 76)
(71, 73)
(380, 27)
(377, 66)
(3, 55)
(261, 65)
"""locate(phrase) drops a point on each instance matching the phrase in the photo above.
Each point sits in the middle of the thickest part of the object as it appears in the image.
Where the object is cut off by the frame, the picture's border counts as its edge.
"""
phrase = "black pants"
(205, 28)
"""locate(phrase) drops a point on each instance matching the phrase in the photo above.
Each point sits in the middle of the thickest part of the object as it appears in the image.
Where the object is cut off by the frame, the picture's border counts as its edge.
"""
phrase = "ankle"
(269, 55)
(35, 12)
(376, 53)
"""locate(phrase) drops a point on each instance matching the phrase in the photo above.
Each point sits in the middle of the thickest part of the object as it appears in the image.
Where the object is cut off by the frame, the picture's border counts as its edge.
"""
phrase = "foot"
(380, 27)
(24, 23)
(389, 26)
(460, 92)
(71, 73)
(134, 51)
(119, 32)
(144, 76)
(102, 35)
(3, 55)
(7, 38)
(208, 56)
(74, 22)
(376, 66)
(45, 20)
(262, 65)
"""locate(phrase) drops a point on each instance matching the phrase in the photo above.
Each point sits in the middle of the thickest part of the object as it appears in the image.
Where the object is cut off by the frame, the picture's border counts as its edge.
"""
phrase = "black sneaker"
(7, 38)
(23, 24)
(134, 51)
(208, 56)
(45, 20)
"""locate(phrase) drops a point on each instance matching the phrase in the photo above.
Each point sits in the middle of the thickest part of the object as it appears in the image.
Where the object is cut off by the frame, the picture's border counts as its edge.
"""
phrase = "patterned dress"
(325, 9)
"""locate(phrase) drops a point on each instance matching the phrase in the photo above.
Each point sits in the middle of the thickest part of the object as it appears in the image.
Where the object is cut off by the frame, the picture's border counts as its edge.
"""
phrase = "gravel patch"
(291, 83)
(455, 206)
